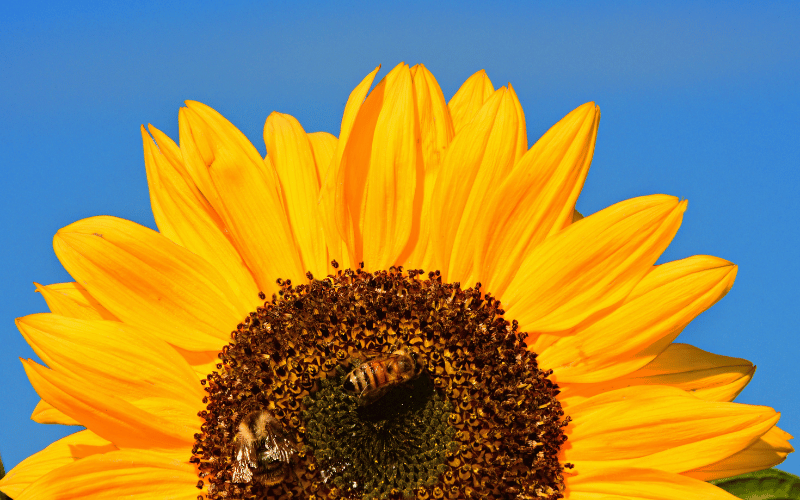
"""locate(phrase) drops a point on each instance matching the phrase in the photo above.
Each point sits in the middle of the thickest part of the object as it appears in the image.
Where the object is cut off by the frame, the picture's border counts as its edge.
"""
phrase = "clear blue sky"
(699, 100)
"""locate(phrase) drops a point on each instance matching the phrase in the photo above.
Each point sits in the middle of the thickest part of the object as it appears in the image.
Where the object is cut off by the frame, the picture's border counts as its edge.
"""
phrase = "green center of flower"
(388, 448)
(383, 385)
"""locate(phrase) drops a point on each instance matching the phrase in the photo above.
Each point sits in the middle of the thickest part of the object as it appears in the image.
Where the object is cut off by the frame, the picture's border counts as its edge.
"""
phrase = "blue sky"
(698, 99)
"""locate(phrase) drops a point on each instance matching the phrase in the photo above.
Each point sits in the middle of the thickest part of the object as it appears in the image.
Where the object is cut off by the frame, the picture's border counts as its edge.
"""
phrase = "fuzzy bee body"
(373, 378)
(263, 451)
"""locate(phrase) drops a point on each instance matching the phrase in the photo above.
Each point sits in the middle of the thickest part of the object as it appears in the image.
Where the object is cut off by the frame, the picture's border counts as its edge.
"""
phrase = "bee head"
(349, 387)
(418, 364)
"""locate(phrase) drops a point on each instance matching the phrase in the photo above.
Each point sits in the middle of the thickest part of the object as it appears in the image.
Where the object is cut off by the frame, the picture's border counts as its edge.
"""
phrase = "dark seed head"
(477, 419)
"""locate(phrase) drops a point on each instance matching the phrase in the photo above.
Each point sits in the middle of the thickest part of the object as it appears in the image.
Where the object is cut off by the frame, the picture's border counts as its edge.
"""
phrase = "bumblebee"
(373, 378)
(263, 451)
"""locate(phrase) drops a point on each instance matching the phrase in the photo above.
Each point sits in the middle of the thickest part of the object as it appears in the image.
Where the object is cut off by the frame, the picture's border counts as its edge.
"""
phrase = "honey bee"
(373, 378)
(263, 450)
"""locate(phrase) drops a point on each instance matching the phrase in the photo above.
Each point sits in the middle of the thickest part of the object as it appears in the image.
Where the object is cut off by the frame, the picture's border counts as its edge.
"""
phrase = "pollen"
(478, 420)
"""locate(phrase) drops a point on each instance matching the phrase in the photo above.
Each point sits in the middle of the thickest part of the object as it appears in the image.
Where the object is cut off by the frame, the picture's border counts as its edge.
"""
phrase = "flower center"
(380, 385)
(390, 447)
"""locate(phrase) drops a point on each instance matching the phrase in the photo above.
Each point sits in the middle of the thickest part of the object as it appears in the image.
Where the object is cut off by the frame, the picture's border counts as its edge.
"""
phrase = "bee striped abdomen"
(371, 379)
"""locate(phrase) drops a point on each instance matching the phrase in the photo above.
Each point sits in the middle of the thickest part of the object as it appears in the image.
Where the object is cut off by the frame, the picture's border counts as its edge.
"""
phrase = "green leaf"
(768, 484)
(3, 496)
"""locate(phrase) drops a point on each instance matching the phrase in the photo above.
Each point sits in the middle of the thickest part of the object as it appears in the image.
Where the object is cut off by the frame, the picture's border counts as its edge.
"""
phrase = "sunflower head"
(472, 415)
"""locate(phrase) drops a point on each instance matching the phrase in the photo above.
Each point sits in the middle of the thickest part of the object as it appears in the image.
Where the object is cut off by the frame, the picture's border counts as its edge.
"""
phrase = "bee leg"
(363, 399)
(299, 480)
(289, 493)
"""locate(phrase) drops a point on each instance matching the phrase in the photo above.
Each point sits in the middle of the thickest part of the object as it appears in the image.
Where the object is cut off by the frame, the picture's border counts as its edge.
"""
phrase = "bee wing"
(245, 459)
(277, 445)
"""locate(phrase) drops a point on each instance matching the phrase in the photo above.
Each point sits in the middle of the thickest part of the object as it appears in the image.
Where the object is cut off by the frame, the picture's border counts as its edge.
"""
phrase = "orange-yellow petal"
(706, 375)
(589, 268)
(184, 216)
(289, 152)
(333, 209)
(111, 418)
(71, 299)
(601, 482)
(146, 280)
(60, 453)
(45, 413)
(244, 191)
(119, 358)
(537, 198)
(661, 427)
(770, 450)
(140, 474)
(649, 319)
(468, 100)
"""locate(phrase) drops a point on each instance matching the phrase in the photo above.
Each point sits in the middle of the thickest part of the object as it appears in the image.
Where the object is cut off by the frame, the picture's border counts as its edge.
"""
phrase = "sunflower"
(411, 310)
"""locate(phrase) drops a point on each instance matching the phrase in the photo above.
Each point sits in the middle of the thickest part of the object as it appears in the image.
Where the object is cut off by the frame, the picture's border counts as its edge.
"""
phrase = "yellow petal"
(45, 413)
(466, 103)
(659, 307)
(333, 209)
(289, 151)
(770, 450)
(727, 392)
(109, 417)
(591, 266)
(125, 360)
(140, 474)
(706, 375)
(184, 216)
(353, 105)
(484, 148)
(538, 196)
(522, 132)
(202, 362)
(435, 124)
(379, 173)
(502, 150)
(697, 371)
(62, 452)
(323, 146)
(436, 133)
(71, 299)
(172, 152)
(244, 191)
(146, 280)
(393, 191)
(626, 483)
(661, 427)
